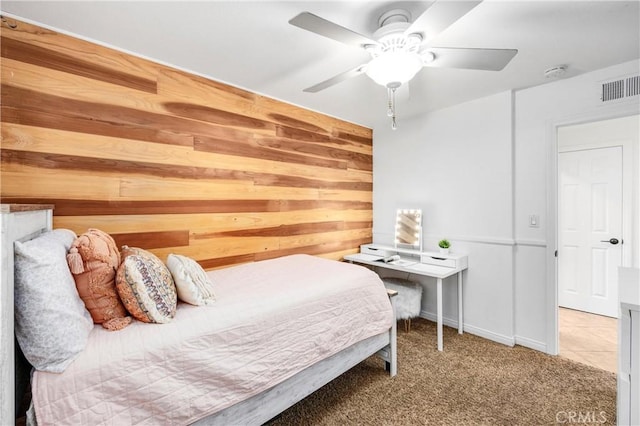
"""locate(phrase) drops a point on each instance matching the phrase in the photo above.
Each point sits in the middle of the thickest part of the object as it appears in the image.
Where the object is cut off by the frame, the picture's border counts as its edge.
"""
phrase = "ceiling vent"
(620, 89)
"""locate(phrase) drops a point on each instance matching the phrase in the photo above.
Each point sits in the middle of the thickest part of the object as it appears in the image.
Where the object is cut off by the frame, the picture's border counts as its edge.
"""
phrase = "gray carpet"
(473, 382)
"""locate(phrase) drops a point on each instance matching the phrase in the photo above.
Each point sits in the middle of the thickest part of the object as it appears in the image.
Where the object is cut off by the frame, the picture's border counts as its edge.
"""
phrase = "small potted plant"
(444, 245)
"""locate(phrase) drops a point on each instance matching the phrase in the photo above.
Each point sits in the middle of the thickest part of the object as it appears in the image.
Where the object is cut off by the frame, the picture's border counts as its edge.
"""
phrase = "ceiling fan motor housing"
(394, 16)
(391, 35)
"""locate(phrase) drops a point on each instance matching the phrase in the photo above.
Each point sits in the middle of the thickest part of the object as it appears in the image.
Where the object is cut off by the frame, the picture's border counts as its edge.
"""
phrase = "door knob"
(613, 241)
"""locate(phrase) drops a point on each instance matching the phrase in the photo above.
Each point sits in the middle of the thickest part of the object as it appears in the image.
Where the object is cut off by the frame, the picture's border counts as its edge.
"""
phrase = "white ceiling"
(250, 44)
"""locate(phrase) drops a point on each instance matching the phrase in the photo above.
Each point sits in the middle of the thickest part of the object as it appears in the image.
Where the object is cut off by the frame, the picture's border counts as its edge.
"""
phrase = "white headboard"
(19, 222)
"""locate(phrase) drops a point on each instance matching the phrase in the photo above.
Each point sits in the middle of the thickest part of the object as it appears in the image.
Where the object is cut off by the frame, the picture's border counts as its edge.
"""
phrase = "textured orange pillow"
(93, 260)
(146, 286)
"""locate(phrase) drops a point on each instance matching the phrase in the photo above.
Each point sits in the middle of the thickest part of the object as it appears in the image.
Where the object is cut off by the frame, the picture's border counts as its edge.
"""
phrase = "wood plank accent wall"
(173, 162)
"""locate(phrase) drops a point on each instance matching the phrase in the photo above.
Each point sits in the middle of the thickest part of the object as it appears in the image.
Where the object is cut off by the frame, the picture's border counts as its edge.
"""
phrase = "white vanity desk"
(429, 264)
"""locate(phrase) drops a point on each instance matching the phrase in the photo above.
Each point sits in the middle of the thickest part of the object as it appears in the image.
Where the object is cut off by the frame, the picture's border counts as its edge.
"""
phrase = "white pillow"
(52, 324)
(192, 282)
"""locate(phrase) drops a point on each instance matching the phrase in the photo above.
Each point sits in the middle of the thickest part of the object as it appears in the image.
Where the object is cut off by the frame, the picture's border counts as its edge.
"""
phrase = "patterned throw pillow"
(192, 282)
(146, 287)
(93, 260)
(52, 325)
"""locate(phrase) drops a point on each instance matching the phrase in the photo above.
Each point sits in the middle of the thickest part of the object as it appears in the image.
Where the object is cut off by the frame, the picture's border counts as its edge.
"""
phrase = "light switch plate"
(534, 221)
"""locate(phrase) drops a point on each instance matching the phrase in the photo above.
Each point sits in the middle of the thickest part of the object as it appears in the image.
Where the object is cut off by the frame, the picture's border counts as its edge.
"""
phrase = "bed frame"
(21, 222)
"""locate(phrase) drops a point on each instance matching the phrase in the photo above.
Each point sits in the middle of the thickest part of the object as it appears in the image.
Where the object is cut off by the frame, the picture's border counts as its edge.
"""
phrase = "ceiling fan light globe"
(394, 67)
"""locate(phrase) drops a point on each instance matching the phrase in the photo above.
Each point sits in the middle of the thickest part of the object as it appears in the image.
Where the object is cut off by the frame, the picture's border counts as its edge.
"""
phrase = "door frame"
(552, 210)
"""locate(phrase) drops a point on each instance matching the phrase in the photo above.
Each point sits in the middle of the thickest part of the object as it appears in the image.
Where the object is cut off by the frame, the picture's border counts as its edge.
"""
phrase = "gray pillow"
(52, 324)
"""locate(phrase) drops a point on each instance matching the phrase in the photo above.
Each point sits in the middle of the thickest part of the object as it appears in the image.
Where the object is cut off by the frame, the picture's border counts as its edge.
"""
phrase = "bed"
(279, 330)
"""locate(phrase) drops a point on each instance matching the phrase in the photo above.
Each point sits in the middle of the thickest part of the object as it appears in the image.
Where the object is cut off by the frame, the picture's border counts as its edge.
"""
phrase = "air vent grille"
(633, 86)
(613, 90)
(620, 89)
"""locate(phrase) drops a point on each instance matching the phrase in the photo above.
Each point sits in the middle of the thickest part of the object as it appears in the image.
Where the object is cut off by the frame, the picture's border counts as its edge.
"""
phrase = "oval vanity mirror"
(409, 229)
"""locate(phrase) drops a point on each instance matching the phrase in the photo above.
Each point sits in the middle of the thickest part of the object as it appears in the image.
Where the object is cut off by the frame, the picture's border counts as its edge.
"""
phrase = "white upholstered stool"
(408, 300)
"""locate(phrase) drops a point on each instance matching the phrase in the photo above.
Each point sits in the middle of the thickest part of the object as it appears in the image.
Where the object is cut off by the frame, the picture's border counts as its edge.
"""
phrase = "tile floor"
(588, 338)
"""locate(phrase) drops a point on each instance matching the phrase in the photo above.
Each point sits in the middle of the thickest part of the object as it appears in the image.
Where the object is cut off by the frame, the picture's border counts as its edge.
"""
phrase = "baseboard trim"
(490, 335)
(449, 322)
(486, 334)
(531, 344)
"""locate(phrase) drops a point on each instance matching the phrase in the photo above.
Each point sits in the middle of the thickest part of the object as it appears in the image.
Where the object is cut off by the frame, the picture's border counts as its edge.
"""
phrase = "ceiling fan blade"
(360, 69)
(477, 59)
(439, 16)
(315, 24)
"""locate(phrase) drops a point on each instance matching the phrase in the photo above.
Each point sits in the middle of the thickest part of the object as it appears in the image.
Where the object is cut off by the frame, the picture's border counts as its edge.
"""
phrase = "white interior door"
(590, 229)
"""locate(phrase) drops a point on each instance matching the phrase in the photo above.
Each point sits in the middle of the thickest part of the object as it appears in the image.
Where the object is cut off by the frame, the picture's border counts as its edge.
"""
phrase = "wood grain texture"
(26, 52)
(152, 240)
(173, 162)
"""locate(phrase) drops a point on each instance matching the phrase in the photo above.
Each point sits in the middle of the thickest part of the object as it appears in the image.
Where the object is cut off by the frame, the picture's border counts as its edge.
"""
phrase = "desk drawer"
(376, 251)
(439, 261)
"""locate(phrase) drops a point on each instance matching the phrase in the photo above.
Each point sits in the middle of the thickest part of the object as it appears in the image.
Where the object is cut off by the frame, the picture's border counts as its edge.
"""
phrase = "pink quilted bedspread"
(271, 320)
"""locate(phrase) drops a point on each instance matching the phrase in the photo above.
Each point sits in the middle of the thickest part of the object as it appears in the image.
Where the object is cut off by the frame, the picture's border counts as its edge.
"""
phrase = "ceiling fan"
(400, 48)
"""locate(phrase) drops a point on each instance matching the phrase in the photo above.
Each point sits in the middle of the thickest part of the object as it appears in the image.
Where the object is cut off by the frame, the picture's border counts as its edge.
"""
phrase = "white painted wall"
(539, 111)
(478, 170)
(456, 165)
